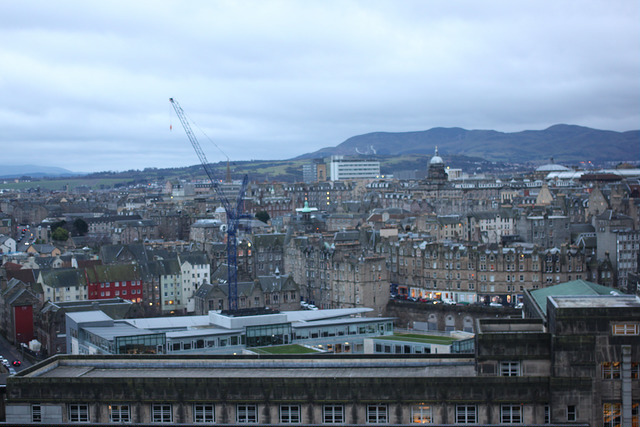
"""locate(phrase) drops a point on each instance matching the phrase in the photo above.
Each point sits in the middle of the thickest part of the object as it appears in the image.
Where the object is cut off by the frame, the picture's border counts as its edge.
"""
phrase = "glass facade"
(140, 344)
(264, 335)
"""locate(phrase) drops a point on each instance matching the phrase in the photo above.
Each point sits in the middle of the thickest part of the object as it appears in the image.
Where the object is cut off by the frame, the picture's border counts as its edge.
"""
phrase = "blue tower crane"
(233, 211)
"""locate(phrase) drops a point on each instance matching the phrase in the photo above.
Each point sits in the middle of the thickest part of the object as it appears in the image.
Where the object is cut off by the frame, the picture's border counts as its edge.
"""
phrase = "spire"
(436, 150)
(228, 173)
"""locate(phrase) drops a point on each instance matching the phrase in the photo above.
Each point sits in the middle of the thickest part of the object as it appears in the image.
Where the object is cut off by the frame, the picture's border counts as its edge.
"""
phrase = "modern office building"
(343, 168)
(338, 331)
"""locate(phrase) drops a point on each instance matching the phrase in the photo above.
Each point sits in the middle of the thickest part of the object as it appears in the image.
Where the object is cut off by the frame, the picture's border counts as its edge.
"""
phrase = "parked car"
(448, 301)
(12, 371)
(495, 304)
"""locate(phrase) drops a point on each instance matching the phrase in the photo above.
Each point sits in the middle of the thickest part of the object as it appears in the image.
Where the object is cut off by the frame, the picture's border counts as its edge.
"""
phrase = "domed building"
(544, 170)
(436, 171)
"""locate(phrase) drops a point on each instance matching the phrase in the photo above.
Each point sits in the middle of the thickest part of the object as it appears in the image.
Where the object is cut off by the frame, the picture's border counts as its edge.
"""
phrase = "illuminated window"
(611, 370)
(421, 414)
(626, 329)
(612, 415)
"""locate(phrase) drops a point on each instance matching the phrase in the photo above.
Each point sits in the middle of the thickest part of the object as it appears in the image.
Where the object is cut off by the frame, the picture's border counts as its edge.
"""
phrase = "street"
(11, 353)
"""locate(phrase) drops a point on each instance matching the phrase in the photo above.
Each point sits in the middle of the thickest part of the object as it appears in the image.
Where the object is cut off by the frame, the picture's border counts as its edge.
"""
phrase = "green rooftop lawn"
(284, 349)
(431, 339)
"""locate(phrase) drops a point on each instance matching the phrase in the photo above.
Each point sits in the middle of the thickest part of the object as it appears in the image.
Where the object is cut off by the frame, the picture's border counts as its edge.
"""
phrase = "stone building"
(576, 367)
(471, 273)
(339, 270)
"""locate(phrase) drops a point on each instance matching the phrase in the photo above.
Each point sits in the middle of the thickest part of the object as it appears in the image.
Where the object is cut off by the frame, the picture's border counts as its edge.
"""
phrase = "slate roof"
(63, 277)
(43, 248)
(113, 273)
(193, 258)
(112, 253)
(27, 275)
(277, 283)
(275, 239)
(116, 308)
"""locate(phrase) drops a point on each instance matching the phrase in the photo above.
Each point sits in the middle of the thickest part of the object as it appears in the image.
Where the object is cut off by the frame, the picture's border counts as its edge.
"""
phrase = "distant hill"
(565, 143)
(34, 171)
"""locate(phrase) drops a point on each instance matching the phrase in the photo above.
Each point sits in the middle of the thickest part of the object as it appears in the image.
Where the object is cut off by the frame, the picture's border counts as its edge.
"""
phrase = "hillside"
(565, 143)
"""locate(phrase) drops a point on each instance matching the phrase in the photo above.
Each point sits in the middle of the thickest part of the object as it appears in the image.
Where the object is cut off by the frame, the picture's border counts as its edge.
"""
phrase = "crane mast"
(234, 212)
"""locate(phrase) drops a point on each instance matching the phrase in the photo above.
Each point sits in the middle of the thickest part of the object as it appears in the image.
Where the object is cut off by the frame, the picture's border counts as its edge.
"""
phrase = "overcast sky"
(85, 85)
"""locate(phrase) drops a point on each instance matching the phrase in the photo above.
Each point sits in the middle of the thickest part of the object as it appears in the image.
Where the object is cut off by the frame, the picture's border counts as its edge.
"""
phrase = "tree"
(80, 227)
(60, 234)
(263, 216)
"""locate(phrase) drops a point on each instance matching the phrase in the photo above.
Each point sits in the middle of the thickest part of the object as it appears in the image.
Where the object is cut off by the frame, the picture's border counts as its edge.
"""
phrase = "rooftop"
(88, 367)
(596, 301)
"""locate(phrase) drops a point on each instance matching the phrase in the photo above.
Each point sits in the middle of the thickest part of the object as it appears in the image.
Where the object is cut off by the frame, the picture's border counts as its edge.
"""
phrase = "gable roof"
(113, 273)
(63, 277)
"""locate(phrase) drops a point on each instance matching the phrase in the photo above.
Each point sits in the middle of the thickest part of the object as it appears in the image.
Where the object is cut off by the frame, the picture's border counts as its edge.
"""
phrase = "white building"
(342, 168)
(195, 270)
(7, 244)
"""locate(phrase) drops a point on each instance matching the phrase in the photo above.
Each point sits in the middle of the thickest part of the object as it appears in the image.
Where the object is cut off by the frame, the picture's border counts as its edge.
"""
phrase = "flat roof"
(117, 330)
(238, 367)
(88, 316)
(596, 301)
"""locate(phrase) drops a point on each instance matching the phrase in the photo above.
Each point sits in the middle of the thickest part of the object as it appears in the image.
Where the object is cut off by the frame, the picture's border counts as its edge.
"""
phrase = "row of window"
(124, 292)
(292, 414)
(612, 370)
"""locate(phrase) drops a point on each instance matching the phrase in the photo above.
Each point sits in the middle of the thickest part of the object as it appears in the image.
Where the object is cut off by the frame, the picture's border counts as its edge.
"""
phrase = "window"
(36, 414)
(203, 413)
(289, 413)
(119, 414)
(612, 415)
(78, 413)
(161, 413)
(466, 414)
(572, 414)
(333, 414)
(247, 414)
(510, 369)
(421, 414)
(611, 370)
(547, 414)
(376, 414)
(626, 329)
(511, 414)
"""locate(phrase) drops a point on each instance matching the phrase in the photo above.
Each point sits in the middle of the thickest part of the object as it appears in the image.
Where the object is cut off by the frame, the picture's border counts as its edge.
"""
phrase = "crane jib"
(234, 212)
